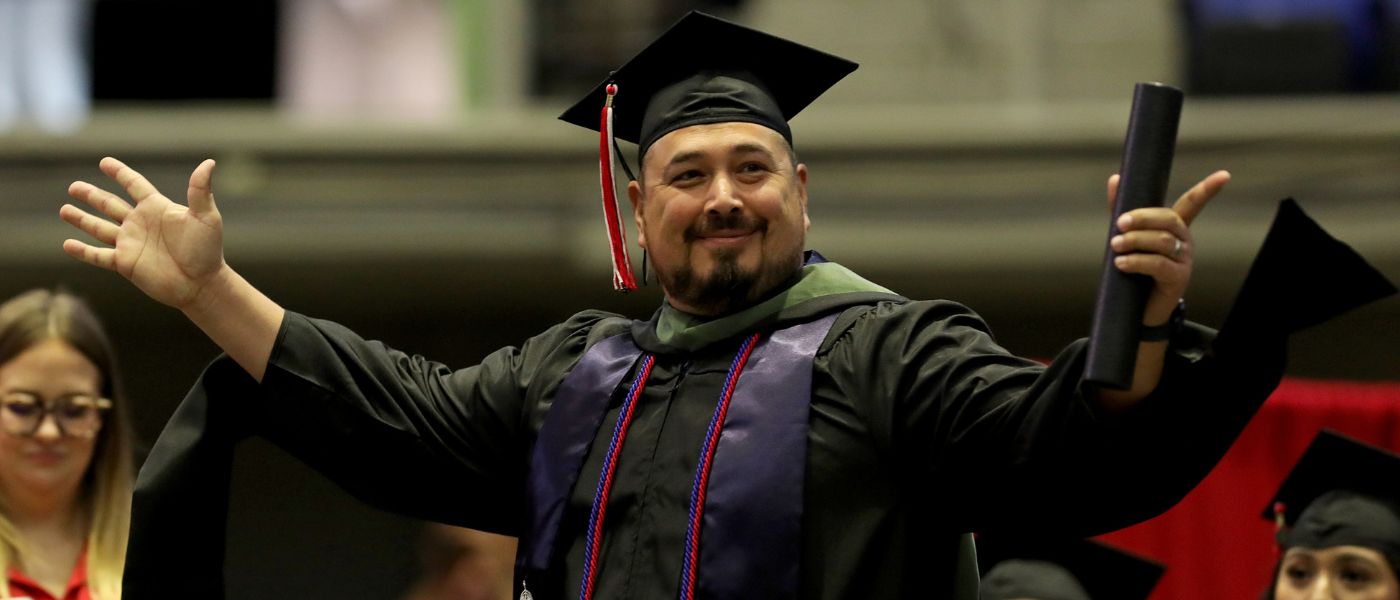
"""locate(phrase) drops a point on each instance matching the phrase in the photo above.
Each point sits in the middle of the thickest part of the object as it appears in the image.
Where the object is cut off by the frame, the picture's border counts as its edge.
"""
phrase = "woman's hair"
(39, 315)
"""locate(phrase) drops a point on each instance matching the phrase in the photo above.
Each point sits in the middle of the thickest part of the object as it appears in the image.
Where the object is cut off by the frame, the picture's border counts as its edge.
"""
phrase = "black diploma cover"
(1147, 165)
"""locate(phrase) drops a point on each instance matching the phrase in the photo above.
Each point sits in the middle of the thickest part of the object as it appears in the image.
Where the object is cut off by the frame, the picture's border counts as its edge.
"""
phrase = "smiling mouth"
(725, 230)
(725, 238)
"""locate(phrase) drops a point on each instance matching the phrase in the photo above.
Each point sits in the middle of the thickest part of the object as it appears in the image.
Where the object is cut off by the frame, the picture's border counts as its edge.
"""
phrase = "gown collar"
(820, 287)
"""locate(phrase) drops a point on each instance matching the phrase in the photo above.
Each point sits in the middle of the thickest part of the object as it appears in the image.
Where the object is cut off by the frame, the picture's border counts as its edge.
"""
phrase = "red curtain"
(1215, 543)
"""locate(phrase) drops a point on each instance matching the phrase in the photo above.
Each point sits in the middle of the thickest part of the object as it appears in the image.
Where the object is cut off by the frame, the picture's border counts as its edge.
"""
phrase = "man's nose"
(722, 198)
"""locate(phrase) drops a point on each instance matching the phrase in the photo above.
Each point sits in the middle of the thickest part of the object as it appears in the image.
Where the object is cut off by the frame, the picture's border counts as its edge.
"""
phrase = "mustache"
(713, 223)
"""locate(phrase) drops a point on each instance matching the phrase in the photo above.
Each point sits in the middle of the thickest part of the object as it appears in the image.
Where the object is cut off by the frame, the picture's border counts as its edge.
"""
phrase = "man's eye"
(753, 168)
(687, 176)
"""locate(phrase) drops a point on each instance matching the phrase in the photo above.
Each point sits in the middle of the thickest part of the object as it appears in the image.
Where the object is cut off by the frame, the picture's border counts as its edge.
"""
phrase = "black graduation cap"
(702, 70)
(1062, 569)
(1341, 492)
(708, 70)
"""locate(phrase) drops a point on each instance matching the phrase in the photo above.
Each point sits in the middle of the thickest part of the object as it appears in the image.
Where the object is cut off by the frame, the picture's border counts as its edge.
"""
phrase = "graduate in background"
(1339, 523)
(1022, 569)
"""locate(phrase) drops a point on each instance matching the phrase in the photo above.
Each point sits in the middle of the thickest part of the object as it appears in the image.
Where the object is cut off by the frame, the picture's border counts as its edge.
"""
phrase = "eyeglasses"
(76, 415)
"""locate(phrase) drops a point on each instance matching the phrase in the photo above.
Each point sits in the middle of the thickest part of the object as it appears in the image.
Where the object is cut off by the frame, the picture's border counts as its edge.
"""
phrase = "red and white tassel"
(617, 233)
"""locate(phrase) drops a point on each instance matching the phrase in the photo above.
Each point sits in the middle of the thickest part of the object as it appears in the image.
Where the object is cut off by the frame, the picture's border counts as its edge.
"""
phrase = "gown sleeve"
(398, 432)
(993, 441)
(409, 435)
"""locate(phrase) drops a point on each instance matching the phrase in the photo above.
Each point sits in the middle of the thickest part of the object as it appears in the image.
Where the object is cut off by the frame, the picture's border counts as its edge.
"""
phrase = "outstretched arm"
(174, 254)
(1157, 242)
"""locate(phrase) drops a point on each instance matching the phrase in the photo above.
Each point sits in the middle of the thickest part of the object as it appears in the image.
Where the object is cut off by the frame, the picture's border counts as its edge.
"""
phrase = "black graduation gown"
(921, 428)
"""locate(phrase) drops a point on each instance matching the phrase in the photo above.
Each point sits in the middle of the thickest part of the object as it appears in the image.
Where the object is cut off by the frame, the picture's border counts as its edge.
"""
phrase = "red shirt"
(22, 587)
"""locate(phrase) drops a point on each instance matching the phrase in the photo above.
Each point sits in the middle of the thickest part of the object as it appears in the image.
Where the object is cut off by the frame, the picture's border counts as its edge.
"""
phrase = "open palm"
(169, 251)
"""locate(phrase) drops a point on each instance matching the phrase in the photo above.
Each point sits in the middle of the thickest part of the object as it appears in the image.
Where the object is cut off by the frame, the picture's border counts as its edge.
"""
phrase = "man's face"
(722, 212)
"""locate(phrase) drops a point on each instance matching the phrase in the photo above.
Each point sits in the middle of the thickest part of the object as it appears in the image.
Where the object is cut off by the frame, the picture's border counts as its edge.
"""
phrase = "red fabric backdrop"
(1215, 543)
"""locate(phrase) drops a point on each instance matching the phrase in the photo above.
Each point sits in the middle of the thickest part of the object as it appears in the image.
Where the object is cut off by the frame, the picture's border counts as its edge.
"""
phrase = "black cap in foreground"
(1342, 492)
(1071, 569)
(708, 70)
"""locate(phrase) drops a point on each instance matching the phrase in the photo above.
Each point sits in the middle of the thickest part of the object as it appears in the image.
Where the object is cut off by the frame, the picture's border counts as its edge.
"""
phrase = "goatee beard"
(728, 287)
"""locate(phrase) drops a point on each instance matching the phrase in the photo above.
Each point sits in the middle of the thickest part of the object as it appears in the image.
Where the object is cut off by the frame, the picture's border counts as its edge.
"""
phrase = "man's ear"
(802, 195)
(634, 194)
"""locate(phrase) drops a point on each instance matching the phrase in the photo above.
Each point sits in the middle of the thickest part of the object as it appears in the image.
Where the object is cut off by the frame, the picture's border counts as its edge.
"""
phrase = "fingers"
(102, 230)
(1159, 266)
(200, 194)
(1156, 218)
(1112, 191)
(97, 257)
(1157, 230)
(104, 201)
(1170, 276)
(1153, 242)
(1157, 242)
(1195, 199)
(135, 185)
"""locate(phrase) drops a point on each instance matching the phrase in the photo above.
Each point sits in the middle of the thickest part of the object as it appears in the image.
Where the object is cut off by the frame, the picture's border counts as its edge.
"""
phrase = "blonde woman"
(65, 452)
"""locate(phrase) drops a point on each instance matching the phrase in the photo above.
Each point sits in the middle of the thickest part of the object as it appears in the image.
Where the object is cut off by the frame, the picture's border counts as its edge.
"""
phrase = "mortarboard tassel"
(1279, 524)
(617, 234)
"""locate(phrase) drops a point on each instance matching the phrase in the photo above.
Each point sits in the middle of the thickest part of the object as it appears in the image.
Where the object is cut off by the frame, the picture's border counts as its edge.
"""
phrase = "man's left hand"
(1157, 242)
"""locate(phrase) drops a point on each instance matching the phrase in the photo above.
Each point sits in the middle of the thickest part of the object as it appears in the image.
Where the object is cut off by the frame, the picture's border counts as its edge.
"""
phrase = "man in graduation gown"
(779, 427)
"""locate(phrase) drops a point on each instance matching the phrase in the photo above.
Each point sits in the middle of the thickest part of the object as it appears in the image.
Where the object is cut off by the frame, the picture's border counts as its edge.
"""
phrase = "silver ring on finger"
(1176, 248)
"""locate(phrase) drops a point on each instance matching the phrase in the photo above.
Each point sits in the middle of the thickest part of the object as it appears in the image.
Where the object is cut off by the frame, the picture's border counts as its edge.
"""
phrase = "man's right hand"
(171, 252)
(175, 254)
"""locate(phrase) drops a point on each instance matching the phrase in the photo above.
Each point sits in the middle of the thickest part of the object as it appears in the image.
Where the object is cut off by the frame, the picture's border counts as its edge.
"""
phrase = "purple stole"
(751, 526)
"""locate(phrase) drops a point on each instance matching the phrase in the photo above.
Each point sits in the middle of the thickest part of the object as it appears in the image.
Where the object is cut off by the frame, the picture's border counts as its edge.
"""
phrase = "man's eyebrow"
(741, 148)
(748, 148)
(684, 157)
